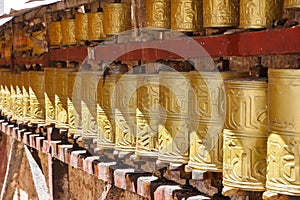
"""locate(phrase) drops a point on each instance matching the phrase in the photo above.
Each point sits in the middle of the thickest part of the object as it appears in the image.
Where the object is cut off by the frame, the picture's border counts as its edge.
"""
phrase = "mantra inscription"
(37, 98)
(95, 26)
(50, 94)
(158, 14)
(55, 33)
(26, 100)
(68, 31)
(81, 26)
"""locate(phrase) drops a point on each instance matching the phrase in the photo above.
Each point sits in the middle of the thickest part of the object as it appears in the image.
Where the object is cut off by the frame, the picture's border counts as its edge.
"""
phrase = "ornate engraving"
(37, 98)
(106, 134)
(117, 18)
(95, 26)
(244, 161)
(55, 33)
(186, 15)
(221, 13)
(26, 100)
(292, 4)
(50, 86)
(7, 100)
(19, 97)
(68, 31)
(259, 14)
(81, 26)
(158, 14)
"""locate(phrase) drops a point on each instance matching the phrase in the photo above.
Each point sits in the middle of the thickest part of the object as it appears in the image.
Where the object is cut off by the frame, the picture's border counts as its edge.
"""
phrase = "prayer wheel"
(220, 13)
(158, 13)
(259, 14)
(207, 118)
(105, 112)
(19, 97)
(39, 42)
(125, 112)
(13, 95)
(96, 26)
(7, 100)
(50, 86)
(26, 100)
(55, 33)
(37, 96)
(2, 88)
(246, 134)
(74, 103)
(81, 26)
(174, 122)
(147, 116)
(186, 15)
(292, 4)
(283, 142)
(117, 18)
(68, 32)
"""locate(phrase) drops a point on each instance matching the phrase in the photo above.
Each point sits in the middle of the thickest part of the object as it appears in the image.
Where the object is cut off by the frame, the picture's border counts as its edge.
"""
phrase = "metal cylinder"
(39, 42)
(74, 104)
(186, 15)
(81, 26)
(246, 133)
(19, 97)
(283, 142)
(220, 13)
(50, 86)
(13, 95)
(26, 99)
(147, 116)
(7, 93)
(158, 13)
(55, 33)
(96, 26)
(117, 18)
(258, 14)
(2, 88)
(105, 112)
(37, 96)
(207, 118)
(68, 32)
(125, 112)
(174, 126)
(292, 4)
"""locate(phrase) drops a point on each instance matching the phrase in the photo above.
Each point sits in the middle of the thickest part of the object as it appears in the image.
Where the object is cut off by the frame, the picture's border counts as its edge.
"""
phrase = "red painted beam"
(69, 54)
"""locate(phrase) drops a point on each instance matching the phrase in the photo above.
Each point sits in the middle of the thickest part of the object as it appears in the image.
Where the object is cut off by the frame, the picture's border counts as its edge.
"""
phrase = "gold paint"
(125, 112)
(55, 33)
(117, 18)
(7, 100)
(284, 87)
(245, 137)
(186, 15)
(259, 13)
(81, 26)
(147, 115)
(174, 124)
(207, 117)
(19, 97)
(2, 88)
(68, 31)
(37, 96)
(221, 13)
(292, 4)
(74, 103)
(283, 162)
(26, 100)
(50, 86)
(13, 95)
(158, 13)
(39, 42)
(95, 26)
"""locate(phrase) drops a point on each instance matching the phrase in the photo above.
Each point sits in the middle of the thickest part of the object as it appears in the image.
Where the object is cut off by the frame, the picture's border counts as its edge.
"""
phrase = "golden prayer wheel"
(174, 126)
(81, 26)
(246, 134)
(259, 13)
(74, 103)
(186, 15)
(207, 118)
(39, 42)
(105, 112)
(13, 95)
(2, 88)
(125, 112)
(25, 92)
(19, 97)
(7, 100)
(283, 142)
(37, 96)
(55, 33)
(220, 13)
(68, 31)
(50, 86)
(158, 13)
(292, 4)
(147, 116)
(117, 18)
(95, 26)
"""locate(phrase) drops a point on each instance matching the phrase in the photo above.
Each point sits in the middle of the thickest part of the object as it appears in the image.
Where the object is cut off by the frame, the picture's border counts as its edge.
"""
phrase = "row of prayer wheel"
(177, 117)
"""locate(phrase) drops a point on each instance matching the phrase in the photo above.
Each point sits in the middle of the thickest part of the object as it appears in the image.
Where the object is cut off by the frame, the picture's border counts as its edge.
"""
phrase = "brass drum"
(259, 13)
(292, 4)
(81, 26)
(26, 100)
(117, 18)
(158, 13)
(50, 86)
(68, 31)
(13, 95)
(186, 15)
(7, 100)
(55, 33)
(19, 97)
(39, 42)
(2, 88)
(246, 133)
(95, 26)
(220, 13)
